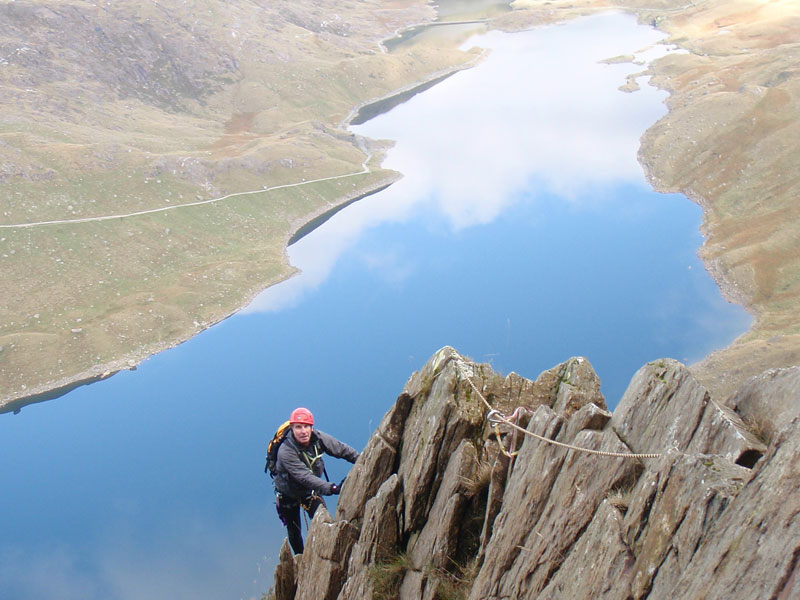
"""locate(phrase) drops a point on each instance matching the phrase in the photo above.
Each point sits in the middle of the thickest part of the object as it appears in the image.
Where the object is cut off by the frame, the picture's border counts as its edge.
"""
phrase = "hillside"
(127, 131)
(731, 143)
(155, 158)
(675, 495)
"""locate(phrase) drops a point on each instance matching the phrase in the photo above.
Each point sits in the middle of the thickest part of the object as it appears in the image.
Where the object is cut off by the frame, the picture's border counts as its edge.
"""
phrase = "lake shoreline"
(128, 362)
(55, 389)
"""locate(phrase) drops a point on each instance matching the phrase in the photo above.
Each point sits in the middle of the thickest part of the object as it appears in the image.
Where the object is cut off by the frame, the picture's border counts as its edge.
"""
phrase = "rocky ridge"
(450, 501)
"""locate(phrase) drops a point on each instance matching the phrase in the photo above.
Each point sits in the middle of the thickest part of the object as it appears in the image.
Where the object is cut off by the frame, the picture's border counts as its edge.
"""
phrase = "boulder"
(661, 408)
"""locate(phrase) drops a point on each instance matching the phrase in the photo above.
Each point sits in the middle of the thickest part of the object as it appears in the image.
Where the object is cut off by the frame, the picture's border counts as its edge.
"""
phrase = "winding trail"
(364, 170)
(364, 165)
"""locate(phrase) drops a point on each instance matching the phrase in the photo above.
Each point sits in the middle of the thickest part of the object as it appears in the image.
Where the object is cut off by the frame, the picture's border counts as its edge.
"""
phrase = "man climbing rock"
(298, 471)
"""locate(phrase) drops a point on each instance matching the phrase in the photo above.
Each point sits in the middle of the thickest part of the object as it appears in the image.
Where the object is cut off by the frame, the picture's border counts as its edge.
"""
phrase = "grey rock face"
(446, 503)
(285, 578)
(329, 543)
(754, 545)
(770, 400)
(661, 408)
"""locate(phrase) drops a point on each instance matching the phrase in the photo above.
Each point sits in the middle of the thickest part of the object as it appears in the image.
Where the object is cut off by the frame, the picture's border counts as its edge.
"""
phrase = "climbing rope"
(305, 504)
(495, 417)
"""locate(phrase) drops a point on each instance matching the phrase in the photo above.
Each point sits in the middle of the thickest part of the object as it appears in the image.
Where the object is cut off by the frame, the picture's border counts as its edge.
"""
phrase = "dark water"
(523, 234)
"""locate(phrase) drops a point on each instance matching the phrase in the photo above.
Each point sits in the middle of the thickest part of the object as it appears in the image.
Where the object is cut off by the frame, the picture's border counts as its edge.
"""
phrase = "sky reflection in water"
(541, 115)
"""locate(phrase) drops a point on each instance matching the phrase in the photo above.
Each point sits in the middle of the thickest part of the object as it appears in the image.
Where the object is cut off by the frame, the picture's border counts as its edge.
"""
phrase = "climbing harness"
(282, 500)
(495, 417)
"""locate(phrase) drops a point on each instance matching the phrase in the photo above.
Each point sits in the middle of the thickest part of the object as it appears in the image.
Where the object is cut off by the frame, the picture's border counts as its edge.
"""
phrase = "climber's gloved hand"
(329, 489)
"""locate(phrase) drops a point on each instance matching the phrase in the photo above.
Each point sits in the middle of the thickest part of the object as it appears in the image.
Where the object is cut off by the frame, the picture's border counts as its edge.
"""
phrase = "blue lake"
(522, 234)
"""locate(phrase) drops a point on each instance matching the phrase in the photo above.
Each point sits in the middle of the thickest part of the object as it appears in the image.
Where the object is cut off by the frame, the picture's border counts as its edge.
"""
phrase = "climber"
(298, 470)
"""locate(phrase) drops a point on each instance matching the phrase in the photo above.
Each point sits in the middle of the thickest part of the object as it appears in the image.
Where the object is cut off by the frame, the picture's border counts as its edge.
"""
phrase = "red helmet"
(301, 415)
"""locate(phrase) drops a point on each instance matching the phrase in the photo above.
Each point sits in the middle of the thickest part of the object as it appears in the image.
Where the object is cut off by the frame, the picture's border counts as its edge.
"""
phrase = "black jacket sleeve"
(336, 448)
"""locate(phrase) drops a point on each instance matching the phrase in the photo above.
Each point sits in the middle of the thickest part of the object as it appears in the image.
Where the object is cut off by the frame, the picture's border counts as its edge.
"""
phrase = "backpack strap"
(308, 459)
(319, 450)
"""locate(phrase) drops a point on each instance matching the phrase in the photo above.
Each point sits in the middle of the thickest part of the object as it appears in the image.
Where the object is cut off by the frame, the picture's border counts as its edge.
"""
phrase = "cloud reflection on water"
(185, 558)
(540, 115)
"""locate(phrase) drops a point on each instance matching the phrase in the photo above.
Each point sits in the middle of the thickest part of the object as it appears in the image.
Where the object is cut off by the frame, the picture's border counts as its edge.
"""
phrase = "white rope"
(495, 415)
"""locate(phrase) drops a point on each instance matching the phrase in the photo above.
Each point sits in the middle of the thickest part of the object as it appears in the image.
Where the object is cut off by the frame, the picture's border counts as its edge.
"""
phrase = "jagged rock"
(665, 407)
(565, 387)
(579, 385)
(661, 408)
(770, 400)
(323, 564)
(438, 540)
(670, 512)
(589, 416)
(442, 415)
(722, 431)
(412, 587)
(378, 540)
(494, 501)
(375, 463)
(434, 507)
(752, 548)
(285, 584)
(520, 391)
(497, 463)
(549, 501)
(589, 572)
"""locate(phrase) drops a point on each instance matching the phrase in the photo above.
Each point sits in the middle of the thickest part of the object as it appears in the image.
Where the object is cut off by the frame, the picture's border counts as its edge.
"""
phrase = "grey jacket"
(298, 470)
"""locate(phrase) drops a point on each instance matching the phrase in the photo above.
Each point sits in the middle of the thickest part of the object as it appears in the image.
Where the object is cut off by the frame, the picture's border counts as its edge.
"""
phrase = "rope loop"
(495, 417)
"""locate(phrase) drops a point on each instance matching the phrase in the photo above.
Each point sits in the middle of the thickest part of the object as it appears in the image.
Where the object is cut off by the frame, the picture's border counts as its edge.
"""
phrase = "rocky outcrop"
(459, 494)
